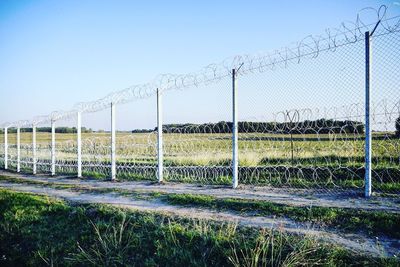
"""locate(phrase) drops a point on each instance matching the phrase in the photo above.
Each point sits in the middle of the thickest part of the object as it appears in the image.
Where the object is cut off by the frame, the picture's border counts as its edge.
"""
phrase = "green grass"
(38, 231)
(370, 221)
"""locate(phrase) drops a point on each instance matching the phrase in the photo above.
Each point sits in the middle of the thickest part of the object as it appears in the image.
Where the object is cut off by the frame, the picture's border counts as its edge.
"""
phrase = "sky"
(57, 53)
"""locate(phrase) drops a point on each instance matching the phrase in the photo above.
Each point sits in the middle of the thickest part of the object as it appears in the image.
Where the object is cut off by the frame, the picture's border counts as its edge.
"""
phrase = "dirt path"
(298, 197)
(352, 241)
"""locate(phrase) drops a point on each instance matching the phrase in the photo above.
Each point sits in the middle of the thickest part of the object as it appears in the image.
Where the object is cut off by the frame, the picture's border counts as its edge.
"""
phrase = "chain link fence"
(301, 121)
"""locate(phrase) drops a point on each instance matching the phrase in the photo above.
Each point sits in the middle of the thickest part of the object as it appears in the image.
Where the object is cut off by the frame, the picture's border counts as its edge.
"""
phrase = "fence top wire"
(349, 32)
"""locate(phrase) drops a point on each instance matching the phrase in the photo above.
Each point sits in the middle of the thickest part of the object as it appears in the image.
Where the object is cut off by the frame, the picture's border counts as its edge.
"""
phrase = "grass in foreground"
(37, 230)
(372, 222)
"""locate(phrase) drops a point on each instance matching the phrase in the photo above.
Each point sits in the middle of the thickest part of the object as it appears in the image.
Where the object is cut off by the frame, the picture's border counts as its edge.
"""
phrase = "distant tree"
(398, 127)
(86, 130)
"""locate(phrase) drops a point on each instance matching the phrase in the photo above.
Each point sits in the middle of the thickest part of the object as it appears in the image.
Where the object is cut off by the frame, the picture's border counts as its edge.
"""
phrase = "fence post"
(6, 148)
(235, 161)
(79, 143)
(160, 166)
(34, 149)
(113, 163)
(18, 149)
(368, 133)
(53, 148)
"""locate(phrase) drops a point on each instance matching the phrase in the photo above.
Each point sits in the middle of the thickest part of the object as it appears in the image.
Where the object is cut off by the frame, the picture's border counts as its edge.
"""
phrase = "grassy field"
(39, 231)
(255, 149)
(330, 159)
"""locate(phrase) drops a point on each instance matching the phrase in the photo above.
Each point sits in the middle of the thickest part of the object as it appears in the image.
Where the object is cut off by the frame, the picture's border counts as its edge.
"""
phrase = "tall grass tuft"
(112, 245)
(275, 248)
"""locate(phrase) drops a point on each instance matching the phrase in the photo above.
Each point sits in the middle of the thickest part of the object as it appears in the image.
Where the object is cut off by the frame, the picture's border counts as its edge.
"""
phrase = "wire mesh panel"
(43, 148)
(96, 144)
(301, 118)
(66, 146)
(385, 95)
(2, 148)
(136, 140)
(12, 149)
(197, 134)
(26, 150)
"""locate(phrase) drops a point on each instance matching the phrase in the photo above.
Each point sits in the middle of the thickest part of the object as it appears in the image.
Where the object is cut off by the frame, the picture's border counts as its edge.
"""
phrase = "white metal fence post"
(34, 149)
(235, 160)
(79, 143)
(18, 149)
(160, 163)
(113, 163)
(6, 148)
(368, 132)
(53, 148)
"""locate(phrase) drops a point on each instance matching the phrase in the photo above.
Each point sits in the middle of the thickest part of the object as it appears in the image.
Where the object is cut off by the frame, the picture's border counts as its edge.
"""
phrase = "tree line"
(48, 130)
(321, 126)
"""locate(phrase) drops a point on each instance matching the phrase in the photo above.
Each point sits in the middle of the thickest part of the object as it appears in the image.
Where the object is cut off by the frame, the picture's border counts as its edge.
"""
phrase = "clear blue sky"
(56, 53)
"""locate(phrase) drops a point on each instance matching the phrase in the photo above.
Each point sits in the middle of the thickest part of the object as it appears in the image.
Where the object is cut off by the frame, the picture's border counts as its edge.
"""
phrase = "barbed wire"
(284, 151)
(309, 47)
